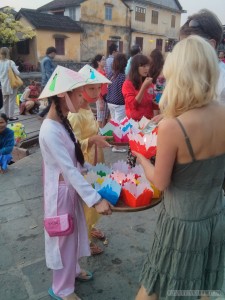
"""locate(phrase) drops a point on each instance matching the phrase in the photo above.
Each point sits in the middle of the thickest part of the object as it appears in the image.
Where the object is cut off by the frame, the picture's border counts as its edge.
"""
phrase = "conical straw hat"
(92, 76)
(62, 80)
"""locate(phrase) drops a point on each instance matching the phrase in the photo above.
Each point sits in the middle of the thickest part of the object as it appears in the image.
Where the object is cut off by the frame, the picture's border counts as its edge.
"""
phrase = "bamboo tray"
(122, 207)
(118, 144)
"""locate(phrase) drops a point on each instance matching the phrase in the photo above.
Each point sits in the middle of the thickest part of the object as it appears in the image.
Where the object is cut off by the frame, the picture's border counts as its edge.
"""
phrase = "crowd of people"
(185, 95)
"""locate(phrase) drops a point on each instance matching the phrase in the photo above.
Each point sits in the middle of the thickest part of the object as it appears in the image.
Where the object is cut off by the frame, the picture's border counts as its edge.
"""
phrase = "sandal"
(95, 249)
(98, 234)
(13, 119)
(72, 296)
(84, 276)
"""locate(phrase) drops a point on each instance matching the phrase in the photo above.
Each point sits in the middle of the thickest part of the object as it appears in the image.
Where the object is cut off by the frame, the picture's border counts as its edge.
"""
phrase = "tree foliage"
(11, 30)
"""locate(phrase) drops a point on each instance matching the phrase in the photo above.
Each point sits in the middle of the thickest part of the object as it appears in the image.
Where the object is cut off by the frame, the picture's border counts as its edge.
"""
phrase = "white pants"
(117, 112)
(9, 103)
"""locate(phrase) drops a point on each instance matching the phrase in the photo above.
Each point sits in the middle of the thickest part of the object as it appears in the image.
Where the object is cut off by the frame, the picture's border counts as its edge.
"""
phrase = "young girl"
(7, 143)
(115, 99)
(155, 72)
(138, 90)
(86, 130)
(98, 63)
(64, 186)
(188, 251)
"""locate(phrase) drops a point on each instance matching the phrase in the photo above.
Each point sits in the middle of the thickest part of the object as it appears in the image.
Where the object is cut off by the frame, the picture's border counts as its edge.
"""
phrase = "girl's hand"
(147, 82)
(141, 158)
(157, 118)
(99, 141)
(103, 207)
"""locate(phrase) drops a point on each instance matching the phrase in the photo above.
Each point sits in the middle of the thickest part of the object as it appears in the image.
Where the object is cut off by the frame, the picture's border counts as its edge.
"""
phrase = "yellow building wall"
(97, 30)
(32, 56)
(94, 11)
(150, 32)
(46, 39)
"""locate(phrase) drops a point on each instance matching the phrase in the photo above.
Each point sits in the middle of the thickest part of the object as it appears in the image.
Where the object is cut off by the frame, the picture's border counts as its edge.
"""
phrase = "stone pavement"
(23, 273)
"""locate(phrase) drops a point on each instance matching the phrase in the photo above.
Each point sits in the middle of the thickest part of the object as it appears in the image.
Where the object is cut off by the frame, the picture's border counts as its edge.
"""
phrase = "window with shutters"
(173, 21)
(159, 44)
(72, 13)
(60, 46)
(140, 13)
(139, 42)
(155, 16)
(108, 12)
(23, 47)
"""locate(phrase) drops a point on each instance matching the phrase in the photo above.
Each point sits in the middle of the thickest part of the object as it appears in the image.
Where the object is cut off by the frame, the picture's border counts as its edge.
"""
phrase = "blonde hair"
(4, 51)
(191, 73)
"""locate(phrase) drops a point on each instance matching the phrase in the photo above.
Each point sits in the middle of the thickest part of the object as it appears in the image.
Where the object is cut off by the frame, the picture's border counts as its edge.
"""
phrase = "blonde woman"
(9, 94)
(188, 251)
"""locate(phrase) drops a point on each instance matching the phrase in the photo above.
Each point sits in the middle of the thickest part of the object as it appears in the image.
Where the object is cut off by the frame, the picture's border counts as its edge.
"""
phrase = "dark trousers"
(46, 109)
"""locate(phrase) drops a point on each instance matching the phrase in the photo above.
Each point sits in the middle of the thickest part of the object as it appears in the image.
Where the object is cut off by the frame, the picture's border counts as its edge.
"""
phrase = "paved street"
(23, 274)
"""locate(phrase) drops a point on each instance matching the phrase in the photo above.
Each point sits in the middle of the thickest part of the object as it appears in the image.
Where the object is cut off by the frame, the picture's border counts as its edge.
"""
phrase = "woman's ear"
(212, 43)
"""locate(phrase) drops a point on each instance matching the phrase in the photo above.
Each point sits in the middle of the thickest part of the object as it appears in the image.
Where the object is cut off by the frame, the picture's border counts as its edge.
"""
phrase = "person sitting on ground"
(6, 143)
(29, 103)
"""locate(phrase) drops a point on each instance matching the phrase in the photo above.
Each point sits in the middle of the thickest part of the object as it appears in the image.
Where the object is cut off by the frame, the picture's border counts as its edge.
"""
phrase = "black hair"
(119, 64)
(50, 50)
(4, 117)
(95, 60)
(137, 61)
(78, 152)
(135, 49)
(113, 47)
(156, 64)
(206, 24)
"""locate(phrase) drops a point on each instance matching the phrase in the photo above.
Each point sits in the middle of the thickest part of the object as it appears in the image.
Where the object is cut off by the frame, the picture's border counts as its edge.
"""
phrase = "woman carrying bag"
(9, 93)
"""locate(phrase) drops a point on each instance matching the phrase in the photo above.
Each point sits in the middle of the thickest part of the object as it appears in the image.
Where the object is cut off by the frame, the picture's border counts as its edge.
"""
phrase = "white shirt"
(4, 77)
(221, 84)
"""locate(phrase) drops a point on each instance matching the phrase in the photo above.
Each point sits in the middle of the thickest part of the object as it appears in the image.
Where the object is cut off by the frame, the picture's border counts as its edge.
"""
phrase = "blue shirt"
(7, 141)
(108, 66)
(127, 69)
(47, 68)
(114, 95)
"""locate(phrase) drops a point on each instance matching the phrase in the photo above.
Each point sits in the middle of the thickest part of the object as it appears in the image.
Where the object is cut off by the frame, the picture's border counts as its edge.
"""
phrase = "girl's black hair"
(95, 60)
(4, 117)
(156, 64)
(78, 152)
(137, 61)
(119, 64)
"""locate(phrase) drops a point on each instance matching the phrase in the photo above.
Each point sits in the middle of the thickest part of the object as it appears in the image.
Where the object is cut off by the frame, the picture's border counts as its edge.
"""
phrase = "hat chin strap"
(68, 102)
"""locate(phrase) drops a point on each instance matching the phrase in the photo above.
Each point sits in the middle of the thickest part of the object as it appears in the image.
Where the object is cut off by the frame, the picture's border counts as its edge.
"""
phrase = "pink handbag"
(59, 225)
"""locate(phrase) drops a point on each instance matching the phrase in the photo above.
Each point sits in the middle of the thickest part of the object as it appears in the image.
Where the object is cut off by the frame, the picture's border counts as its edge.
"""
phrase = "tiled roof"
(171, 4)
(57, 4)
(47, 21)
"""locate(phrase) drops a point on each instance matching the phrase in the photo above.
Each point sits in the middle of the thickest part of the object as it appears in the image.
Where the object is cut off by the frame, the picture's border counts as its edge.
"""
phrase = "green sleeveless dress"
(188, 251)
